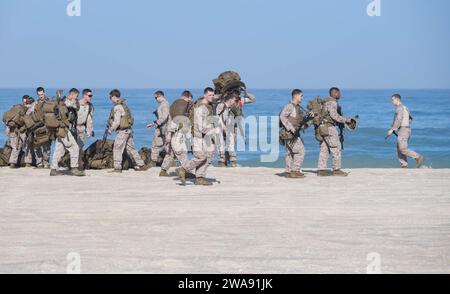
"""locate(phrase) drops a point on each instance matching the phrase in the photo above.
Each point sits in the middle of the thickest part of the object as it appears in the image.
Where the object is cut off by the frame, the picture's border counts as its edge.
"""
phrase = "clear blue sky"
(180, 43)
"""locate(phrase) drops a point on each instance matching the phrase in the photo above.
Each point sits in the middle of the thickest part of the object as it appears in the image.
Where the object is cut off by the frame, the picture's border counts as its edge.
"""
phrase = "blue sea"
(366, 147)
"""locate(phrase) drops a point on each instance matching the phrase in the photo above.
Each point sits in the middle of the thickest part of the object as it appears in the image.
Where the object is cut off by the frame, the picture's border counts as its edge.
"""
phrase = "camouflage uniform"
(228, 123)
(158, 143)
(19, 141)
(331, 143)
(177, 147)
(295, 149)
(402, 124)
(85, 127)
(42, 153)
(203, 141)
(123, 141)
(68, 143)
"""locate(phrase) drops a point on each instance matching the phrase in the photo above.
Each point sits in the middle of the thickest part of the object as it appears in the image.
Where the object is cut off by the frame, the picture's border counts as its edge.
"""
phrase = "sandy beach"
(252, 220)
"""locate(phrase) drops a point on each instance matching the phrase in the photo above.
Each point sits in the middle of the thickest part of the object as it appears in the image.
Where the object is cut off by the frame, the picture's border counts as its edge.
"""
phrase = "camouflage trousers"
(403, 152)
(330, 145)
(229, 140)
(68, 143)
(295, 154)
(124, 142)
(158, 144)
(18, 142)
(176, 149)
(42, 154)
(203, 151)
(81, 140)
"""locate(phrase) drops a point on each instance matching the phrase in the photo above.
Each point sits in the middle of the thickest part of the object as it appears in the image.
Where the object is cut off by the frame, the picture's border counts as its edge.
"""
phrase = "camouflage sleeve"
(249, 98)
(397, 119)
(118, 113)
(332, 110)
(284, 117)
(163, 114)
(90, 123)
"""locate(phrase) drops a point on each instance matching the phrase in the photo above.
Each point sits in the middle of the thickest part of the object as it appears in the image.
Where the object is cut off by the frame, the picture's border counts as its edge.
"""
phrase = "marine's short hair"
(332, 89)
(208, 89)
(296, 92)
(40, 89)
(114, 93)
(85, 91)
(187, 94)
(397, 96)
(159, 93)
(74, 90)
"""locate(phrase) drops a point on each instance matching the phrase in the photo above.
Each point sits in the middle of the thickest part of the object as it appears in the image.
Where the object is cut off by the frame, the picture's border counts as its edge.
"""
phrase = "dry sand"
(253, 221)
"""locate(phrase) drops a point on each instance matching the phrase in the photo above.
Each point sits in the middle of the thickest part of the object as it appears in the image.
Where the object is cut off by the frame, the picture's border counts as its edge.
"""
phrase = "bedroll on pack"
(13, 118)
(228, 81)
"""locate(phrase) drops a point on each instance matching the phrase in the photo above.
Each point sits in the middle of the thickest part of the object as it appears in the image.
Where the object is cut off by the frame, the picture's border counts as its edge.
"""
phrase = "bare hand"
(390, 132)
(149, 126)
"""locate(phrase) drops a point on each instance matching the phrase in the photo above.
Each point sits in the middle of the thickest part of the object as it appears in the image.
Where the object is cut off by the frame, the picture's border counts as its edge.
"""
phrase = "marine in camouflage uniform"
(120, 121)
(68, 140)
(177, 132)
(85, 123)
(162, 118)
(291, 118)
(331, 143)
(42, 153)
(19, 141)
(402, 126)
(229, 119)
(205, 134)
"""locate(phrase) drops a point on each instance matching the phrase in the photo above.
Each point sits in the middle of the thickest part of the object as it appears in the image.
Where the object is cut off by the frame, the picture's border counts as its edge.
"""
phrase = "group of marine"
(200, 127)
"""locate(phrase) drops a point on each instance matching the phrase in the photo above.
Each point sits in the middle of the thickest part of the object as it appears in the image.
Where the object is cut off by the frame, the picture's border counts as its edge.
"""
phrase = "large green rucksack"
(228, 81)
(13, 118)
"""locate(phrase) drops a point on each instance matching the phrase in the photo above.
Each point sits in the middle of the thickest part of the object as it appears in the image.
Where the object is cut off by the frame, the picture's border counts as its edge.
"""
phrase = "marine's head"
(186, 96)
(335, 93)
(208, 94)
(232, 99)
(114, 95)
(27, 100)
(40, 92)
(73, 94)
(87, 95)
(159, 96)
(297, 96)
(396, 99)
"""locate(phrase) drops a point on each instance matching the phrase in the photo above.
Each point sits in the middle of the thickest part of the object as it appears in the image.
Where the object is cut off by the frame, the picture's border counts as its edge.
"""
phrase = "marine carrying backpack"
(13, 118)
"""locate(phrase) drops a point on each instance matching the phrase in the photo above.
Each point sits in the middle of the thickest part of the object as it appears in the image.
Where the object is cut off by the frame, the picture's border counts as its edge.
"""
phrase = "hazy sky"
(180, 43)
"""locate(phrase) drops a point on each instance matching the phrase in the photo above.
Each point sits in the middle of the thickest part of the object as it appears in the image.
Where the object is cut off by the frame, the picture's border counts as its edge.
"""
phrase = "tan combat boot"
(119, 171)
(141, 168)
(221, 164)
(151, 164)
(181, 172)
(77, 173)
(339, 173)
(296, 175)
(419, 161)
(233, 163)
(163, 173)
(12, 165)
(54, 172)
(190, 175)
(28, 165)
(322, 173)
(202, 182)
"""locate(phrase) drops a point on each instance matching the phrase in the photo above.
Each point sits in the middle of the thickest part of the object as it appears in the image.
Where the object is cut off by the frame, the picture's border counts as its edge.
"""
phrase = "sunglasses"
(90, 95)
